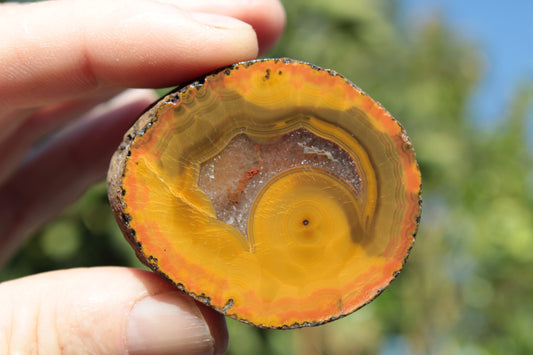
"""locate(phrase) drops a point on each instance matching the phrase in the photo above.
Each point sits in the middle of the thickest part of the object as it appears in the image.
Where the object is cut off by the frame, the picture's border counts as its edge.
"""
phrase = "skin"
(66, 99)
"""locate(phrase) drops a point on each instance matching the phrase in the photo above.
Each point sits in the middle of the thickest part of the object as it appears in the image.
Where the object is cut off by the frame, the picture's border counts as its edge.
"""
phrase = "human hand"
(62, 63)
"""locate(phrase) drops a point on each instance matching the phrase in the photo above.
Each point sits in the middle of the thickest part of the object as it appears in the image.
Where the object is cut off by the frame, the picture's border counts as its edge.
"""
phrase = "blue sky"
(504, 32)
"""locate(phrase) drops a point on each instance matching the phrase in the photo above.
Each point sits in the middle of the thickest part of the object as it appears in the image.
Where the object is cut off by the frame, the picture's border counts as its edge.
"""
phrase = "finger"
(59, 171)
(105, 311)
(33, 125)
(266, 16)
(126, 43)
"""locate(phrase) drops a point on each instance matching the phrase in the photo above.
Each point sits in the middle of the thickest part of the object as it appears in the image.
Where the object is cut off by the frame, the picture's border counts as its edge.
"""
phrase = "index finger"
(60, 50)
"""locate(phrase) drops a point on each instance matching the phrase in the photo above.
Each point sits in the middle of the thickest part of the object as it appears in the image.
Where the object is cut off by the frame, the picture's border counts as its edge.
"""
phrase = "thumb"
(105, 311)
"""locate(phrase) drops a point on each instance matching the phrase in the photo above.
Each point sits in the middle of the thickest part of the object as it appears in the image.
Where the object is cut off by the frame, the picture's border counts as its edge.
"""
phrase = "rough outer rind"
(115, 173)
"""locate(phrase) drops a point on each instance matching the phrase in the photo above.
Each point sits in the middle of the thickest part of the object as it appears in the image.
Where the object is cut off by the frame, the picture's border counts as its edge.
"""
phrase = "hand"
(62, 64)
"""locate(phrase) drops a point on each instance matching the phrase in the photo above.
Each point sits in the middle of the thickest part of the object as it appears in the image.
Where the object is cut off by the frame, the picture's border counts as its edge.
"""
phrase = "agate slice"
(274, 191)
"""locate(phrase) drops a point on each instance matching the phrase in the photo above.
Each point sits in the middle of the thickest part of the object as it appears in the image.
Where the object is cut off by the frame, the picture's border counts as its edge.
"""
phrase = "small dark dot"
(305, 222)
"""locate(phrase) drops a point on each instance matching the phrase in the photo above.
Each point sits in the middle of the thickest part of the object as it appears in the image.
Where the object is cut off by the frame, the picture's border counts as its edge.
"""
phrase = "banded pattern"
(274, 191)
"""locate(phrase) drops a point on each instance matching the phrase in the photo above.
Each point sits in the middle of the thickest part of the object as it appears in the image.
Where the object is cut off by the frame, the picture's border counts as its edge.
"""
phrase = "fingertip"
(175, 46)
(217, 327)
(271, 27)
(168, 323)
(105, 311)
(91, 44)
(267, 17)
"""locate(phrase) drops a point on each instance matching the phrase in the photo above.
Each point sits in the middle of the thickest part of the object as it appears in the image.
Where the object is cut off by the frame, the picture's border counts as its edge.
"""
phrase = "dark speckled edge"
(118, 206)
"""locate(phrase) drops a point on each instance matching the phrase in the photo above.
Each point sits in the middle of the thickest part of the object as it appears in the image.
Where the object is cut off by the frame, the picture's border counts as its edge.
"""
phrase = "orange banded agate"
(274, 191)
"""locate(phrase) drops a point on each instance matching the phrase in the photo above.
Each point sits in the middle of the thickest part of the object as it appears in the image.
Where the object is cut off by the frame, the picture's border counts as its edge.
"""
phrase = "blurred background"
(459, 76)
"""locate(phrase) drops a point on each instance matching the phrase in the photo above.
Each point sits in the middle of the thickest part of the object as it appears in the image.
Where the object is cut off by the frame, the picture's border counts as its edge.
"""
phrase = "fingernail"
(168, 323)
(218, 21)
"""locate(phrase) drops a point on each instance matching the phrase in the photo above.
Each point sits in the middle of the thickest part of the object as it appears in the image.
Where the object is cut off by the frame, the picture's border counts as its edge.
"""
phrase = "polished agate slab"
(274, 191)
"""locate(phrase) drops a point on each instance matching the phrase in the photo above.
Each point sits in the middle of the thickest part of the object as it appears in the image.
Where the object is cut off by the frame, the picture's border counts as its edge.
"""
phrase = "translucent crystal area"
(233, 178)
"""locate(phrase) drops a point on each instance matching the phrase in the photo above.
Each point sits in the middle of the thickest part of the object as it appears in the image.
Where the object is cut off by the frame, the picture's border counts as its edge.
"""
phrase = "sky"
(504, 32)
